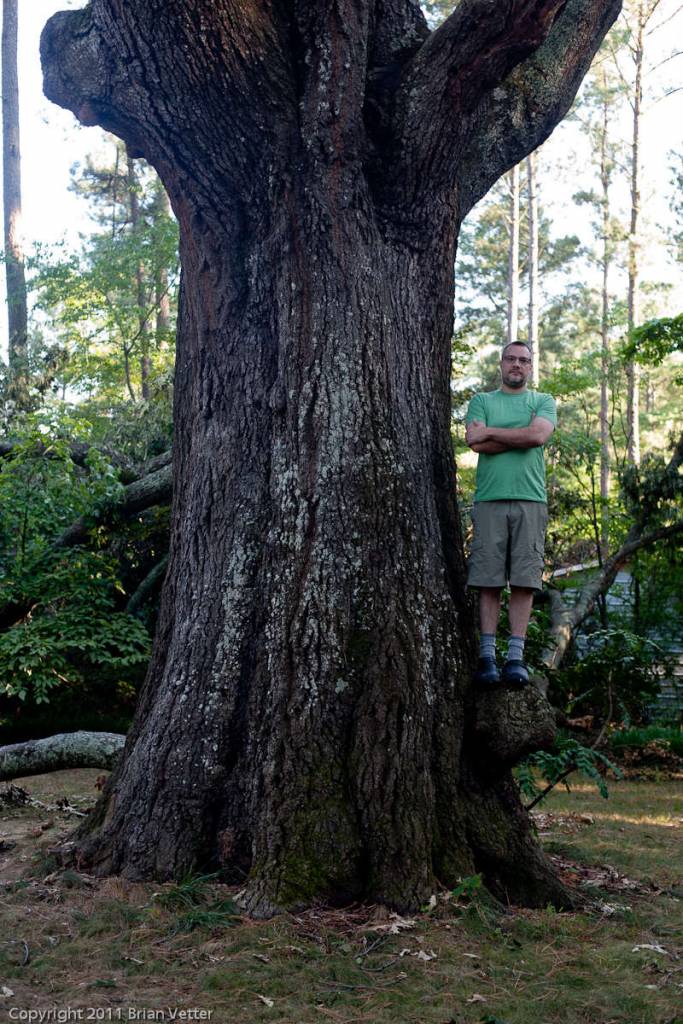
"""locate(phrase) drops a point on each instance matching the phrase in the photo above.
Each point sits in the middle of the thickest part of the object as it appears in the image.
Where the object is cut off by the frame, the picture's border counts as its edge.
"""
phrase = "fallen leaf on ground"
(395, 924)
(655, 949)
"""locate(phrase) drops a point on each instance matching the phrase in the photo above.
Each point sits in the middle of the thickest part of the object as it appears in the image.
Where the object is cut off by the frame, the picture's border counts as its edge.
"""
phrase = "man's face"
(515, 367)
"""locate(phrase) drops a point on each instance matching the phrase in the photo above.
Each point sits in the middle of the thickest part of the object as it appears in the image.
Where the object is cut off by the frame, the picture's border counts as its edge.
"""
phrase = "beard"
(515, 382)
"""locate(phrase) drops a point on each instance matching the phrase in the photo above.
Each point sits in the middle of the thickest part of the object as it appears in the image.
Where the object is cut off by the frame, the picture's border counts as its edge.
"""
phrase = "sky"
(52, 141)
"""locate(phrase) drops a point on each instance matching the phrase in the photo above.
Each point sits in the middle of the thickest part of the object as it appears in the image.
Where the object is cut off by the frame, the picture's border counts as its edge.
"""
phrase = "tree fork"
(307, 720)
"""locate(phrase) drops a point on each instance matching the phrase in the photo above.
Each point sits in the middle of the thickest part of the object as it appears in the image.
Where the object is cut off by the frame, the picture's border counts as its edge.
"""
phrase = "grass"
(115, 945)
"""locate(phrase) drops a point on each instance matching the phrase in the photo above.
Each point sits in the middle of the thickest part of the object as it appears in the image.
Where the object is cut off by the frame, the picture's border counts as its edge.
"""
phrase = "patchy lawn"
(112, 950)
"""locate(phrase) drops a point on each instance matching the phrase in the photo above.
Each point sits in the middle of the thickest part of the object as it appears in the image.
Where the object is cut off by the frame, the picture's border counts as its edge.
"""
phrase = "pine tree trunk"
(513, 257)
(605, 174)
(11, 165)
(162, 299)
(139, 284)
(307, 722)
(532, 201)
(633, 303)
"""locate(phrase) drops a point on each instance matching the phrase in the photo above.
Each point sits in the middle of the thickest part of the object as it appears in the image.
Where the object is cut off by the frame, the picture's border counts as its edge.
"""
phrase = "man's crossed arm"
(493, 440)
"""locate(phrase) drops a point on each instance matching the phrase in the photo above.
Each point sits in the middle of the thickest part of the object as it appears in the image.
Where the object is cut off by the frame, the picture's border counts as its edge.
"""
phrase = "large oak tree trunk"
(307, 722)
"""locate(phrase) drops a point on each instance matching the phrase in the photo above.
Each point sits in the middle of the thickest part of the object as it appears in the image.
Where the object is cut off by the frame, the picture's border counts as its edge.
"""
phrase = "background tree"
(110, 307)
(532, 231)
(513, 256)
(11, 172)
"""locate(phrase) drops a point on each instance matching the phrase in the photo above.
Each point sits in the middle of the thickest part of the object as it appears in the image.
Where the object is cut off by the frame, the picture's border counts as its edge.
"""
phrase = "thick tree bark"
(11, 171)
(308, 718)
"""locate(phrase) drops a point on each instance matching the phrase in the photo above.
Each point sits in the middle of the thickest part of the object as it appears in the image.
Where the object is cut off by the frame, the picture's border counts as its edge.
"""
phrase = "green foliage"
(651, 486)
(616, 673)
(42, 490)
(467, 887)
(102, 304)
(68, 621)
(653, 341)
(567, 757)
(71, 630)
(640, 737)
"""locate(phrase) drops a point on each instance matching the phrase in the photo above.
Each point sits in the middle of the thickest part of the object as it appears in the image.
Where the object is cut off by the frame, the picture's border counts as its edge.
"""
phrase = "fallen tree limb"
(65, 750)
(78, 453)
(151, 583)
(565, 619)
(153, 489)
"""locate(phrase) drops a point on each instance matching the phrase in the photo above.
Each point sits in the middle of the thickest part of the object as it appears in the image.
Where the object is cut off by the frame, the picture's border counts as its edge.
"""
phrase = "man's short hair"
(523, 343)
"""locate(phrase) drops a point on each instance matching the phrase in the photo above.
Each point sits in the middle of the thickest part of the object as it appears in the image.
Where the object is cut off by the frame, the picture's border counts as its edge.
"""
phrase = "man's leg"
(519, 612)
(487, 572)
(529, 519)
(489, 609)
(489, 613)
(519, 609)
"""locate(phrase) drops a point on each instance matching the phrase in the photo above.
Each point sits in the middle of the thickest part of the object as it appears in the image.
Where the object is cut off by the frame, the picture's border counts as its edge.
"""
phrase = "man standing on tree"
(508, 429)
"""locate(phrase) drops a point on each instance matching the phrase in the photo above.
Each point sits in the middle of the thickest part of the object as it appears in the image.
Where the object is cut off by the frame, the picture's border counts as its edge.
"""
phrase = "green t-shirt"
(520, 473)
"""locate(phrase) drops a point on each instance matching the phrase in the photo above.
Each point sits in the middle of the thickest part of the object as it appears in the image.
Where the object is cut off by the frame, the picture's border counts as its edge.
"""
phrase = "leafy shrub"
(71, 630)
(617, 674)
(556, 766)
(63, 604)
(629, 738)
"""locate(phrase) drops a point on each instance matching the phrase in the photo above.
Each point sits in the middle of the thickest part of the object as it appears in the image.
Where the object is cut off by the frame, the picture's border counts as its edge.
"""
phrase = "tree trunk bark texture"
(307, 723)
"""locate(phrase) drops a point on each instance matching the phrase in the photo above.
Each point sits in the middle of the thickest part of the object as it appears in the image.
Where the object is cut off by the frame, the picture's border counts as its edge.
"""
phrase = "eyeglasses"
(523, 360)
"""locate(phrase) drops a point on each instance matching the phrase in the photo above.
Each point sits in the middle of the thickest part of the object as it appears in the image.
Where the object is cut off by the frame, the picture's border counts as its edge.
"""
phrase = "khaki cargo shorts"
(508, 543)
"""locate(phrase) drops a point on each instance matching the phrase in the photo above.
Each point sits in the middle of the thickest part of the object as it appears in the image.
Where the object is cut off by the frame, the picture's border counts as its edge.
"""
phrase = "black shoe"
(515, 673)
(487, 673)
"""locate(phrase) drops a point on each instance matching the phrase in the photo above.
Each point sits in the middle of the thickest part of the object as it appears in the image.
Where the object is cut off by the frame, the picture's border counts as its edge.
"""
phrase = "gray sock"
(516, 648)
(487, 645)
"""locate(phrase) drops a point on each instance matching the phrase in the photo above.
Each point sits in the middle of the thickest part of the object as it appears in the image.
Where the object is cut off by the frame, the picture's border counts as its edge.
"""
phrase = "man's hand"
(505, 438)
(475, 433)
(476, 438)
